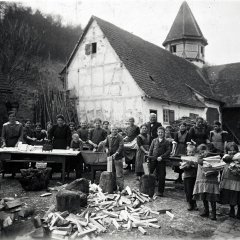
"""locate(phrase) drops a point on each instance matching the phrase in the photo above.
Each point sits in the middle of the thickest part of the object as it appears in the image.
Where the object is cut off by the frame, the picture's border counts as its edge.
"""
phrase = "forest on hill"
(33, 50)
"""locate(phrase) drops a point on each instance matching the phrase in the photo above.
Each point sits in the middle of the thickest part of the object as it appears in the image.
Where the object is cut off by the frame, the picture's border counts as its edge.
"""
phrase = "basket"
(94, 158)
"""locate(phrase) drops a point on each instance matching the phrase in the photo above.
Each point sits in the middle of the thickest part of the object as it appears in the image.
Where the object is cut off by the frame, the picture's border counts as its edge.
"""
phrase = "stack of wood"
(105, 212)
(11, 210)
(212, 165)
(234, 166)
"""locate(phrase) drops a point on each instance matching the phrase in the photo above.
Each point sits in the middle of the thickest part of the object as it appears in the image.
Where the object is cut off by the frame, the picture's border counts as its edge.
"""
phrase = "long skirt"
(140, 155)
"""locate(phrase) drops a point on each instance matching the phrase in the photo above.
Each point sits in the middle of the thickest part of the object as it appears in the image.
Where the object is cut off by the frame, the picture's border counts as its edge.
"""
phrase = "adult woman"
(12, 133)
(143, 142)
(132, 132)
(199, 134)
(60, 134)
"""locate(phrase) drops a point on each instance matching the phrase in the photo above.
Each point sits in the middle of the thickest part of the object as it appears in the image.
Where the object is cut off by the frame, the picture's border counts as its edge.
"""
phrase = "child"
(143, 140)
(97, 134)
(159, 150)
(230, 183)
(206, 188)
(114, 146)
(189, 178)
(76, 143)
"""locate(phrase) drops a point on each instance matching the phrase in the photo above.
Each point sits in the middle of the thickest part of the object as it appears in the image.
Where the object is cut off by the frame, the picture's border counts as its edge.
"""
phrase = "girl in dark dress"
(60, 134)
(143, 142)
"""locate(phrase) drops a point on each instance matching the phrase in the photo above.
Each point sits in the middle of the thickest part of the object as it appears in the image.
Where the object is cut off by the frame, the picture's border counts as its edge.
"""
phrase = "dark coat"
(152, 129)
(159, 149)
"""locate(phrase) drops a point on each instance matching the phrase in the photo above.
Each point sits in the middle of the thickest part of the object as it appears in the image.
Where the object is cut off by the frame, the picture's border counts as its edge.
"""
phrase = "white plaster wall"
(102, 84)
(179, 111)
(192, 49)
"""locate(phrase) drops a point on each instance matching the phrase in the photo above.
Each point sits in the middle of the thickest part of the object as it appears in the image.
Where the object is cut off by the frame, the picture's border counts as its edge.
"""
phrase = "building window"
(193, 116)
(153, 111)
(168, 116)
(90, 48)
(173, 48)
(202, 50)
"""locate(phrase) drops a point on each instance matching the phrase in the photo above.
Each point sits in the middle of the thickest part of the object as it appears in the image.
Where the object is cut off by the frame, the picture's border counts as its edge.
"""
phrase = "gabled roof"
(185, 27)
(157, 72)
(225, 80)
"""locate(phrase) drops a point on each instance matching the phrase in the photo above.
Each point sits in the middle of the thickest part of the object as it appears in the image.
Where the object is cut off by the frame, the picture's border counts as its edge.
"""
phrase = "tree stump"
(107, 182)
(35, 179)
(81, 185)
(71, 201)
(147, 184)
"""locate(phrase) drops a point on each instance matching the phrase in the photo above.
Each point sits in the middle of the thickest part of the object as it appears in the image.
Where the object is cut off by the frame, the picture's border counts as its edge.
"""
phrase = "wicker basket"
(93, 158)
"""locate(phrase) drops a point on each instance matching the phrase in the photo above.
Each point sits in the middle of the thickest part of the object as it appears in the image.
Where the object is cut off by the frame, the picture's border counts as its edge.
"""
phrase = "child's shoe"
(205, 212)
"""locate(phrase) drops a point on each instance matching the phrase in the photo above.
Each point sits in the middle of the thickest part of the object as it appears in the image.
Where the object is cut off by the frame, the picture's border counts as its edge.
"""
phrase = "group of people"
(150, 142)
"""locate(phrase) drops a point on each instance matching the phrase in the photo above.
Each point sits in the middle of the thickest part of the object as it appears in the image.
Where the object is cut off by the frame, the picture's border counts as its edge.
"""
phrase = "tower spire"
(185, 37)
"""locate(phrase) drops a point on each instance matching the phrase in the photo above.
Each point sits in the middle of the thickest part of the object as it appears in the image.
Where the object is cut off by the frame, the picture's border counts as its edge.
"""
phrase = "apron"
(140, 154)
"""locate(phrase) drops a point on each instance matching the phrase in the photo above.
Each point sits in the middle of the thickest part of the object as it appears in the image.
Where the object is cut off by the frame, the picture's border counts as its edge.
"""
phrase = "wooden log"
(70, 201)
(107, 182)
(74, 235)
(162, 211)
(142, 230)
(170, 214)
(80, 184)
(83, 233)
(153, 225)
(129, 191)
(97, 225)
(111, 214)
(13, 204)
(147, 185)
(115, 223)
(25, 212)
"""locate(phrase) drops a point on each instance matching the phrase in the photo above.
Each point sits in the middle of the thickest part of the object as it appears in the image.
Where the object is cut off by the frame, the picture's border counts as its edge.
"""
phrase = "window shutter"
(171, 116)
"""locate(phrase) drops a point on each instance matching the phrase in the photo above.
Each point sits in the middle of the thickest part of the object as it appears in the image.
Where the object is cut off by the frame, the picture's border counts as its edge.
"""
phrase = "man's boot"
(205, 212)
(232, 211)
(213, 213)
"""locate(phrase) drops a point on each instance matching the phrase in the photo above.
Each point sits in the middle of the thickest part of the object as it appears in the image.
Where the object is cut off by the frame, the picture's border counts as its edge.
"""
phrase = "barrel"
(147, 184)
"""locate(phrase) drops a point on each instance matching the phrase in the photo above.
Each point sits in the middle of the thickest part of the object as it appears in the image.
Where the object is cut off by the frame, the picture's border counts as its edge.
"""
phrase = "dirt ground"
(184, 225)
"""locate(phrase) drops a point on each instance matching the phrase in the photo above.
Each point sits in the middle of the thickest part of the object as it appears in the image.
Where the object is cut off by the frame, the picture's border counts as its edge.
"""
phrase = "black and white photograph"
(119, 119)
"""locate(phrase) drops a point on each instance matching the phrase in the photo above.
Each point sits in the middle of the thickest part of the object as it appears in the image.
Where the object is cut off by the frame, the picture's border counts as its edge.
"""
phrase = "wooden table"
(54, 156)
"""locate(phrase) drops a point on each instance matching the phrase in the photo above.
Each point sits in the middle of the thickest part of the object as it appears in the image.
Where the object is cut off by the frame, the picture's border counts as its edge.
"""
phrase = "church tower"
(185, 38)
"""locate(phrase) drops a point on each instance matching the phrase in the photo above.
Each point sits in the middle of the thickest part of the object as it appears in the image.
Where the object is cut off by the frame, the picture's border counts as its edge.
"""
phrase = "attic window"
(90, 48)
(173, 48)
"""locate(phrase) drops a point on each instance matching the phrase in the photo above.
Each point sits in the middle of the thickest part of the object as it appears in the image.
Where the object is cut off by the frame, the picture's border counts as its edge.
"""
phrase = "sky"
(152, 19)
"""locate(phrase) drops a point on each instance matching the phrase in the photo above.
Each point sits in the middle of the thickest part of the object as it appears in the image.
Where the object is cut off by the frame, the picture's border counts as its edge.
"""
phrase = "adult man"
(152, 126)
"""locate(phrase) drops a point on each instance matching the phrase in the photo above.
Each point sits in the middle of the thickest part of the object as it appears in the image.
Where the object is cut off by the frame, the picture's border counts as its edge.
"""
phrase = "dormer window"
(90, 48)
(173, 48)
